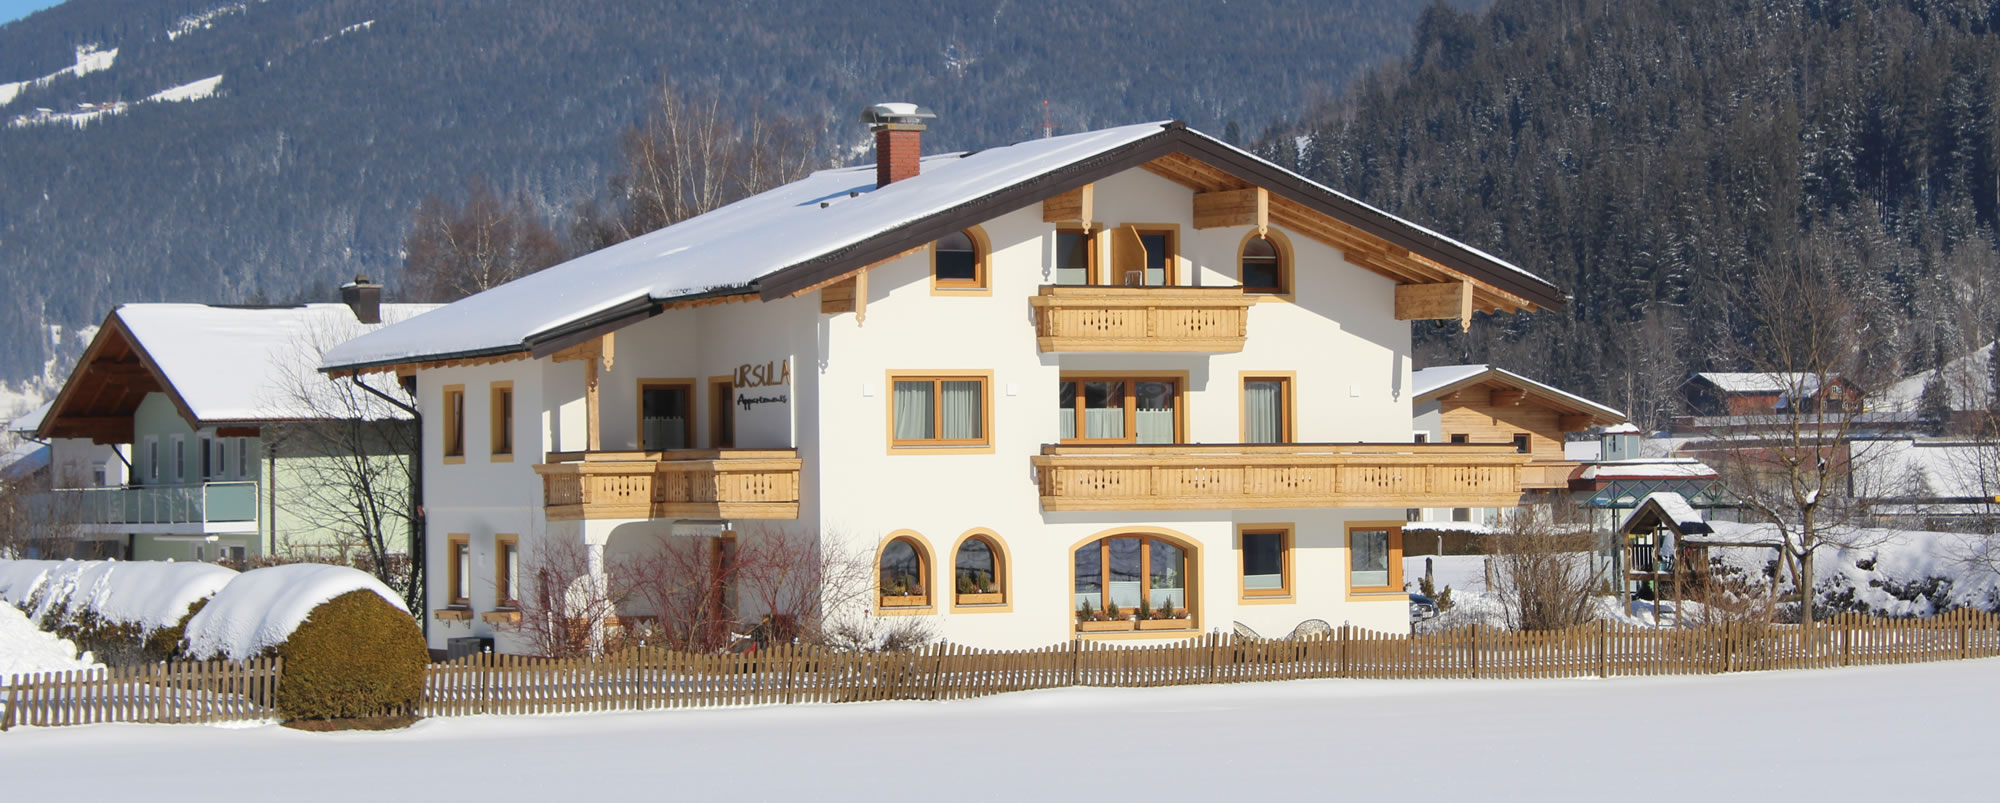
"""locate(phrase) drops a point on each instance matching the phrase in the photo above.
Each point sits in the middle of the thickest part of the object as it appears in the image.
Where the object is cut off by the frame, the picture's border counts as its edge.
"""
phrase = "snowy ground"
(1872, 734)
(24, 648)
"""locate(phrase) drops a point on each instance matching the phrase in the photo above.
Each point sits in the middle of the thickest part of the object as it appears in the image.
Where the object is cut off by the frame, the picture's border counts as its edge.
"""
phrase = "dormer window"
(1263, 267)
(958, 263)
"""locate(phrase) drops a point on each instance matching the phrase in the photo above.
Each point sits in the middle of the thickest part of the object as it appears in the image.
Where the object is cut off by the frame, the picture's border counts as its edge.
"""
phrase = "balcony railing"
(208, 504)
(1128, 319)
(1541, 475)
(1237, 476)
(729, 483)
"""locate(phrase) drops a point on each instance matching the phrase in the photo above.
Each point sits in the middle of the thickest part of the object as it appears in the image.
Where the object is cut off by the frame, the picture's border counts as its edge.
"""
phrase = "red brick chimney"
(899, 133)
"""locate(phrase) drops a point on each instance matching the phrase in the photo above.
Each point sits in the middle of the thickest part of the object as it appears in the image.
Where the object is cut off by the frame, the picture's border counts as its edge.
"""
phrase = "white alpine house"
(1134, 368)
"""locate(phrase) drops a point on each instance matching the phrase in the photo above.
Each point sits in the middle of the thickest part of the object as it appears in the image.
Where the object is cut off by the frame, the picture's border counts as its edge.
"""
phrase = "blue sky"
(11, 10)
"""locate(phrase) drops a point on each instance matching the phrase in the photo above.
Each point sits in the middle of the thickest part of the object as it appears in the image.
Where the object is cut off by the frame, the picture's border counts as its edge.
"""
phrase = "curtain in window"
(663, 432)
(1263, 412)
(1104, 413)
(962, 415)
(1370, 551)
(464, 588)
(913, 411)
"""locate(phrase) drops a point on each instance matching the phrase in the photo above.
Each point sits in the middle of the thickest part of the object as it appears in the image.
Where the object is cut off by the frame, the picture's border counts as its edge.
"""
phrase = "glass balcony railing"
(198, 503)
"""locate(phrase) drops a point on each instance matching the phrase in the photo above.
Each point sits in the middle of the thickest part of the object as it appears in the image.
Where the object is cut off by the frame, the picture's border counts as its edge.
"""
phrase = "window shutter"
(1128, 257)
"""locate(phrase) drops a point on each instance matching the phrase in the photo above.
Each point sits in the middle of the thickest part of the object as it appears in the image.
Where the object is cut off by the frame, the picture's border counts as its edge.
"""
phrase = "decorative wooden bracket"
(1251, 206)
(1070, 207)
(1442, 301)
(847, 295)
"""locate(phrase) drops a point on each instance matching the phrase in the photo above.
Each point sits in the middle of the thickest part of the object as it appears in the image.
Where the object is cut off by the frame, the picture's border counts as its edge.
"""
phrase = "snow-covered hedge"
(260, 608)
(349, 644)
(126, 612)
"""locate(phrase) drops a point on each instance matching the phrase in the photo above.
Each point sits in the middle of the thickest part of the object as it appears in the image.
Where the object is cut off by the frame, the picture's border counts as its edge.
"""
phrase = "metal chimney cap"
(896, 114)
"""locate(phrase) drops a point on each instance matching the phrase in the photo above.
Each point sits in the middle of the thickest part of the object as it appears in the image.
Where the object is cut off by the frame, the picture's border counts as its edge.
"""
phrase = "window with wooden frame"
(1265, 269)
(502, 419)
(722, 413)
(458, 556)
(666, 414)
(454, 423)
(959, 263)
(979, 571)
(1145, 256)
(1268, 412)
(1521, 442)
(939, 411)
(1095, 409)
(1132, 582)
(1267, 560)
(1374, 557)
(1076, 256)
(507, 570)
(1461, 438)
(903, 573)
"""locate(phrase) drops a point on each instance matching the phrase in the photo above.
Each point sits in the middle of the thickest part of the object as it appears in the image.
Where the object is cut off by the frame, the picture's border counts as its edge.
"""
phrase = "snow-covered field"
(1876, 734)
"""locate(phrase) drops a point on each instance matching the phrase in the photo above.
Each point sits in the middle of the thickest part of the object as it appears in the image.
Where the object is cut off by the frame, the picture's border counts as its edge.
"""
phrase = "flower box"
(1104, 626)
(1166, 624)
(994, 598)
(905, 601)
(501, 617)
(453, 614)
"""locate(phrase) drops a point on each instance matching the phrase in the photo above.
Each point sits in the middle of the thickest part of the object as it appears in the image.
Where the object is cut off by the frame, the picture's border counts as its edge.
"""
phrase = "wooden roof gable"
(105, 388)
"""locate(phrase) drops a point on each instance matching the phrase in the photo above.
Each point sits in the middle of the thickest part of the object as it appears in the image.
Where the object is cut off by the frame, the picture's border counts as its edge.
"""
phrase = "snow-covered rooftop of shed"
(1649, 468)
(1622, 429)
(245, 363)
(1674, 508)
(1431, 380)
(732, 248)
(1765, 382)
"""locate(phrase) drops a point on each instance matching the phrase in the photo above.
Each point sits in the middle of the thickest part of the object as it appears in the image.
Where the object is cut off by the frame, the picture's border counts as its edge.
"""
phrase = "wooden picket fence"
(651, 678)
(182, 692)
(646, 679)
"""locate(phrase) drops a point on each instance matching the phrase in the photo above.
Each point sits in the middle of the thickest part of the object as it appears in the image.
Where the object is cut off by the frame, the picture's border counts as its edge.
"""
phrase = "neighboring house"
(1481, 404)
(1623, 476)
(1127, 366)
(200, 399)
(1715, 394)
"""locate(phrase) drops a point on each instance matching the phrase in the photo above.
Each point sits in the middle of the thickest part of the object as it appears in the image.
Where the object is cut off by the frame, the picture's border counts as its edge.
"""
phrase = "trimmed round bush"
(355, 656)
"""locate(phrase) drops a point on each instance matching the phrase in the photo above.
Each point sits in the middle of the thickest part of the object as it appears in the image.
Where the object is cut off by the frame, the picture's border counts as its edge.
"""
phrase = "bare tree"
(353, 469)
(454, 251)
(694, 153)
(1542, 568)
(1800, 467)
(566, 609)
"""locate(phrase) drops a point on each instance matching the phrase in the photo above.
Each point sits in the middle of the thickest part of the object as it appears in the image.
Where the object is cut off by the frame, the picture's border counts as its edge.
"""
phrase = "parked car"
(1422, 607)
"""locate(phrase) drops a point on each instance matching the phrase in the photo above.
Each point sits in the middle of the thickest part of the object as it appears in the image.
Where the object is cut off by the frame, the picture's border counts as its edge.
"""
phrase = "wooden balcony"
(1547, 475)
(1240, 476)
(1141, 319)
(725, 484)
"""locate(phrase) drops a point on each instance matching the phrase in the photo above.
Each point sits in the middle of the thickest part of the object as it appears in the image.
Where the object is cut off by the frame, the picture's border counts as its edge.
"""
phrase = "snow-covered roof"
(23, 458)
(1762, 382)
(1622, 429)
(1668, 508)
(1649, 468)
(30, 421)
(821, 222)
(260, 608)
(1968, 380)
(1430, 382)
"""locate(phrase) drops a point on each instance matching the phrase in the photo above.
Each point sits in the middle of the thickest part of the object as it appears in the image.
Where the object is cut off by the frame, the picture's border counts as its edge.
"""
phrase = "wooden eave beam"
(1075, 206)
(1221, 208)
(1572, 422)
(1506, 397)
(1439, 301)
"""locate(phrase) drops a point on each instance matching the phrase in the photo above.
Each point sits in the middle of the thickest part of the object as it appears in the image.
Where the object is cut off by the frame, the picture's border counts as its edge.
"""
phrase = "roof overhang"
(1393, 246)
(1548, 396)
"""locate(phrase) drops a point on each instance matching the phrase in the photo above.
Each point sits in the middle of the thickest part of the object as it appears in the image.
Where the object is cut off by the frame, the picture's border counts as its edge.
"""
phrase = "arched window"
(1264, 267)
(904, 574)
(958, 262)
(1133, 582)
(979, 572)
